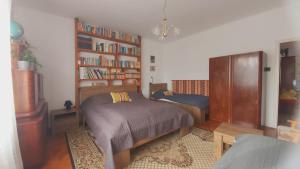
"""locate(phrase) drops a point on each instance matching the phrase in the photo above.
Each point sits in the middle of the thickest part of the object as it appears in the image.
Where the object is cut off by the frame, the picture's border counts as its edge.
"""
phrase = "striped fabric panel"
(198, 87)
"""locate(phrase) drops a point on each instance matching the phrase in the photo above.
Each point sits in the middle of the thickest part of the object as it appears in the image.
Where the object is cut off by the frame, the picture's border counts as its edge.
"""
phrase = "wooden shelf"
(129, 68)
(100, 66)
(109, 67)
(91, 66)
(93, 79)
(107, 38)
(97, 52)
(137, 78)
(109, 79)
(129, 55)
(108, 53)
(116, 56)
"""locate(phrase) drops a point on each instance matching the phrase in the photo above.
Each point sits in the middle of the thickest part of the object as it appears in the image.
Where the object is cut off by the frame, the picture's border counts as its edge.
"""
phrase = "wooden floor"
(58, 153)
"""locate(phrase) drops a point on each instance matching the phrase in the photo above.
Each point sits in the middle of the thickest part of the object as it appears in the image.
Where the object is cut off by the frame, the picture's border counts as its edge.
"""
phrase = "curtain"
(10, 157)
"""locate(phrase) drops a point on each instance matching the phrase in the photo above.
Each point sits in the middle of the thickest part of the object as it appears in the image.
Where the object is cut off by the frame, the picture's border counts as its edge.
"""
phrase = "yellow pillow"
(168, 93)
(120, 97)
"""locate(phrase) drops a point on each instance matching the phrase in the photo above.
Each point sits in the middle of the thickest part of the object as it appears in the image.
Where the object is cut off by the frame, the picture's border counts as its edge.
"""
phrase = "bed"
(195, 104)
(260, 152)
(122, 126)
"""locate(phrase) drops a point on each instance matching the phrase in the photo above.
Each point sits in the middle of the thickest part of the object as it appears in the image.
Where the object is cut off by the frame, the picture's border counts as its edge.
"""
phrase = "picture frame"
(152, 59)
(152, 68)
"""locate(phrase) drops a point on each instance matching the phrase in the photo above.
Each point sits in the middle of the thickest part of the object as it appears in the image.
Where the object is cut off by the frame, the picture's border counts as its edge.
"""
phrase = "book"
(107, 32)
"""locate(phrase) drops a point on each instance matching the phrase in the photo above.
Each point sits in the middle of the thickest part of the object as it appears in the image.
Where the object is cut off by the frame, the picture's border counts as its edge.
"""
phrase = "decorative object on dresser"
(236, 88)
(22, 55)
(182, 87)
(107, 57)
(68, 104)
(63, 120)
(227, 133)
(16, 30)
(31, 113)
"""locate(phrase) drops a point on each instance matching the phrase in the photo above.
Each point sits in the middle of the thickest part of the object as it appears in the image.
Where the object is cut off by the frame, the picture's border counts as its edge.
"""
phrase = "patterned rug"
(193, 151)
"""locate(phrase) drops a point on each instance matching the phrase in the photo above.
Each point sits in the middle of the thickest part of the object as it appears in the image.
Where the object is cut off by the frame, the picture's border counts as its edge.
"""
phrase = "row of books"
(107, 32)
(117, 74)
(109, 62)
(96, 61)
(96, 73)
(129, 64)
(104, 47)
(133, 75)
(131, 51)
(92, 73)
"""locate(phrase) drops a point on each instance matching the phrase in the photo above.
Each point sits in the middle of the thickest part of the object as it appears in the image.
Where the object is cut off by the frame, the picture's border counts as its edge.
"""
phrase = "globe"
(16, 30)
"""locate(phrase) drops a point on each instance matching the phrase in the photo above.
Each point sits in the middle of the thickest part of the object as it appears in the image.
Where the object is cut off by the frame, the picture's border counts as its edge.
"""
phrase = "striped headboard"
(198, 87)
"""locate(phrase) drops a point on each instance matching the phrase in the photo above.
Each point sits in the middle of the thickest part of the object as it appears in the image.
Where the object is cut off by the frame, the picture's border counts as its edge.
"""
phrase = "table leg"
(218, 141)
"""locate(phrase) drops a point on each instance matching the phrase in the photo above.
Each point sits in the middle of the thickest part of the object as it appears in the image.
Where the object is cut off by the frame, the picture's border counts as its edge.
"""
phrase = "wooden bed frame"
(121, 159)
(196, 112)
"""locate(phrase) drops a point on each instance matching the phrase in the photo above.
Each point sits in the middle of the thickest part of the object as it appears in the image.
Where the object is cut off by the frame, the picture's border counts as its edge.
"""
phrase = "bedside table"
(63, 120)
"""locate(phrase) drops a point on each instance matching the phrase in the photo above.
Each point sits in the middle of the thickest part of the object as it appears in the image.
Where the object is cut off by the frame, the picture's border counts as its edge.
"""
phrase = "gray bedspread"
(259, 152)
(118, 126)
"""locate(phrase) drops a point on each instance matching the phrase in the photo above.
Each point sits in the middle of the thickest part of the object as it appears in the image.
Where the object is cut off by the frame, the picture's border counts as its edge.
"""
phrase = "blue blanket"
(190, 99)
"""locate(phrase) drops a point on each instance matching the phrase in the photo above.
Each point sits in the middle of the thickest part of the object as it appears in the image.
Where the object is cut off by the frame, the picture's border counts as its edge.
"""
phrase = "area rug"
(193, 151)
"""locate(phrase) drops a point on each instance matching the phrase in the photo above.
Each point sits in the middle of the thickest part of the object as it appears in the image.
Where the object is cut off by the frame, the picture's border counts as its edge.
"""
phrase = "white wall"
(189, 58)
(53, 39)
(151, 48)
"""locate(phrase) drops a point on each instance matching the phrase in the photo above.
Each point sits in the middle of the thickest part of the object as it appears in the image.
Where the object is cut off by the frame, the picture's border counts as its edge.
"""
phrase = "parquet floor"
(57, 153)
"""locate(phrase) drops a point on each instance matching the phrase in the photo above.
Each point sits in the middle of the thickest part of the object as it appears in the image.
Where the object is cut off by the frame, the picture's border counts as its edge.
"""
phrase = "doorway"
(289, 84)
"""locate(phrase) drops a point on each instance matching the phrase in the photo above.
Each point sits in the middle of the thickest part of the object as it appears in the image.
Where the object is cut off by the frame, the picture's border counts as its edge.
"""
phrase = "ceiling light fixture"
(163, 28)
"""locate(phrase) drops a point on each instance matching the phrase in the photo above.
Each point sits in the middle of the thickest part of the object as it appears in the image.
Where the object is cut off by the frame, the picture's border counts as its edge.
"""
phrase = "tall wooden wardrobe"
(235, 88)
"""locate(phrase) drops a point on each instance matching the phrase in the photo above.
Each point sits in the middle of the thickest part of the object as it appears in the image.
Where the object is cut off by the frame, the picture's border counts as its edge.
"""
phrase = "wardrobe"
(235, 88)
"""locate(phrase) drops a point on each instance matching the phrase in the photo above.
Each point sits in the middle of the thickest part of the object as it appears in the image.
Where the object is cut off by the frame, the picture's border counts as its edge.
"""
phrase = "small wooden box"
(63, 120)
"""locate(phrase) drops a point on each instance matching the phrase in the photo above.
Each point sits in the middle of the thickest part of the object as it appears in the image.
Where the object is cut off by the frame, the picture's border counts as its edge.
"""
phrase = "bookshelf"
(105, 57)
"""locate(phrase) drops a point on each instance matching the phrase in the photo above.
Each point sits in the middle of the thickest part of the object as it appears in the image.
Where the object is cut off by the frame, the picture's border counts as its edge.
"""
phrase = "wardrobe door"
(219, 88)
(246, 86)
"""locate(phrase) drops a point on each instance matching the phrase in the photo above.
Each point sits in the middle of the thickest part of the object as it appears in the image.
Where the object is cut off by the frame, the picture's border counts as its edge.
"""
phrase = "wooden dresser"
(235, 89)
(31, 113)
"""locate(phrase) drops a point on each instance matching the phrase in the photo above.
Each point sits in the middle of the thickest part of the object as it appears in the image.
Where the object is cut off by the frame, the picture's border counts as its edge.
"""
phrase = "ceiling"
(140, 16)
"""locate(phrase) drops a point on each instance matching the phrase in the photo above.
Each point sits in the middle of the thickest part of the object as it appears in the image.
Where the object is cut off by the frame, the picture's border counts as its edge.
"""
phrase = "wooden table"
(63, 120)
(226, 134)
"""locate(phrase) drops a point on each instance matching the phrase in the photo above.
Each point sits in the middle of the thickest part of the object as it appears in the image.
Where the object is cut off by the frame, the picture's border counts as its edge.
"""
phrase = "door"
(219, 88)
(246, 86)
(287, 72)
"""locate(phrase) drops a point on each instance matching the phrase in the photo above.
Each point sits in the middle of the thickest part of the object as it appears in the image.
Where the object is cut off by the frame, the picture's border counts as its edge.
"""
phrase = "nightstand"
(63, 120)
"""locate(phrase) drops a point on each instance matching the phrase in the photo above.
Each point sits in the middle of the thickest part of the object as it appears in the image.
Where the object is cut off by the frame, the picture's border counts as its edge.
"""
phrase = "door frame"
(278, 70)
